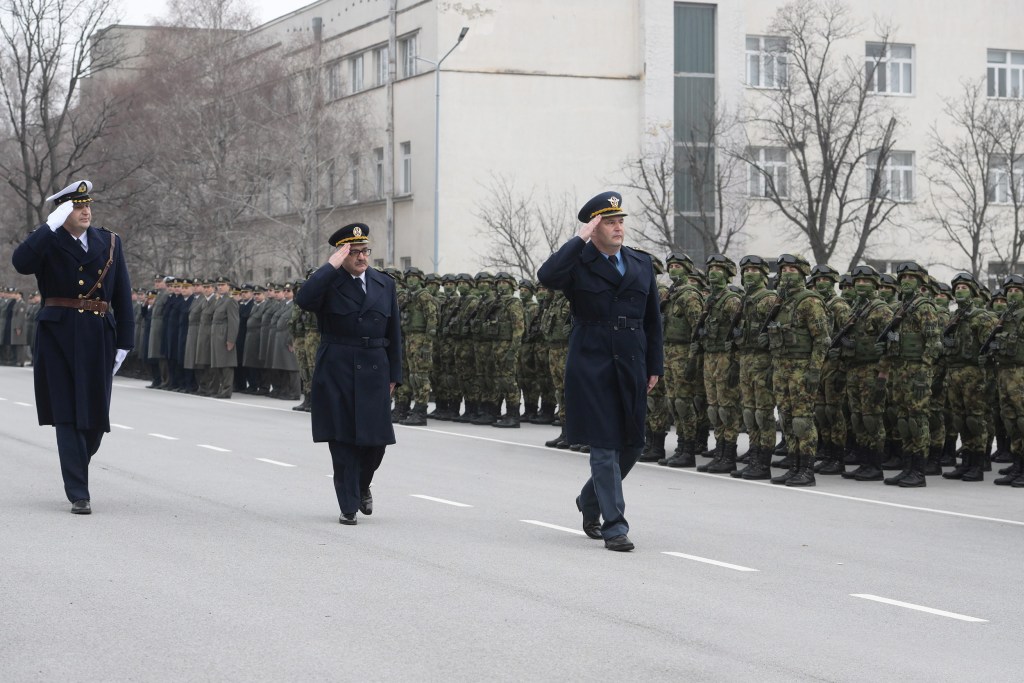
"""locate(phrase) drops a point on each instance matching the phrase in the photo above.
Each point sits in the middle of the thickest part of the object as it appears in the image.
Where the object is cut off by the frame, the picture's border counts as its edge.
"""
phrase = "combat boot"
(554, 443)
(645, 454)
(1013, 472)
(759, 468)
(915, 477)
(794, 467)
(932, 466)
(465, 416)
(753, 453)
(976, 470)
(873, 470)
(488, 414)
(417, 417)
(1002, 453)
(893, 456)
(683, 456)
(302, 407)
(546, 415)
(441, 411)
(805, 472)
(894, 480)
(657, 446)
(510, 420)
(727, 463)
(719, 450)
(785, 461)
(949, 451)
(1018, 483)
(400, 411)
(860, 460)
(781, 448)
(961, 469)
(833, 462)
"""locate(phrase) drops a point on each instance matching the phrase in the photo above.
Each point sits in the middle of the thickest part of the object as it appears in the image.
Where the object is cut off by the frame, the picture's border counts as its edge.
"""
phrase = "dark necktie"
(359, 293)
(614, 260)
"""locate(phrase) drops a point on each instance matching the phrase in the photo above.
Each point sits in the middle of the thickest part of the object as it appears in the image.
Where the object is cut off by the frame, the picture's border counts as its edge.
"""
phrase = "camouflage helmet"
(943, 288)
(984, 292)
(1000, 293)
(698, 275)
(394, 273)
(912, 268)
(967, 279)
(845, 281)
(1013, 281)
(825, 270)
(414, 271)
(886, 280)
(464, 277)
(502, 276)
(679, 258)
(865, 272)
(431, 278)
(528, 284)
(755, 261)
(483, 276)
(722, 261)
(796, 260)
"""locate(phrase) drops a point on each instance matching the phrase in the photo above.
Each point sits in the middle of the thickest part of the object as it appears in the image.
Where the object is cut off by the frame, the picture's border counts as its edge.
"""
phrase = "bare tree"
(823, 115)
(960, 172)
(1007, 183)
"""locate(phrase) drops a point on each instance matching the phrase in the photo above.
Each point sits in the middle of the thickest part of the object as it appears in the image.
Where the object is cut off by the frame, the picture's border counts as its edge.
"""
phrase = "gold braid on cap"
(606, 210)
(351, 240)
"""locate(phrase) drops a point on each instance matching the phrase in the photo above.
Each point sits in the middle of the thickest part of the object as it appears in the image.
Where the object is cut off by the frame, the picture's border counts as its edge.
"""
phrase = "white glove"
(59, 215)
(119, 358)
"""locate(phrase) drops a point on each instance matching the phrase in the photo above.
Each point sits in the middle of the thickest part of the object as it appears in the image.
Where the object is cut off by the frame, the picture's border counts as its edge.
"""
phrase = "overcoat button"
(81, 282)
(615, 356)
(374, 367)
(80, 269)
(359, 367)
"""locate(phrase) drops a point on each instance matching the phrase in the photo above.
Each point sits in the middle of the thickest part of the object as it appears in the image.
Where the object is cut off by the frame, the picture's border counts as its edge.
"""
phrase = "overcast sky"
(142, 13)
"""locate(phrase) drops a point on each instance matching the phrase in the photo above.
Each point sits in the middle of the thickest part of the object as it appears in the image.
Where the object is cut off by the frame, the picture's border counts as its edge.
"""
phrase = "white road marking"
(919, 608)
(553, 526)
(2, 399)
(275, 462)
(19, 403)
(164, 436)
(113, 424)
(440, 500)
(714, 562)
(213, 448)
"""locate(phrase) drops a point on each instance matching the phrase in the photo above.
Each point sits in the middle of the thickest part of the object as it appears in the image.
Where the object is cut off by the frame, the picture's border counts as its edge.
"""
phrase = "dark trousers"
(603, 491)
(353, 471)
(76, 448)
(154, 371)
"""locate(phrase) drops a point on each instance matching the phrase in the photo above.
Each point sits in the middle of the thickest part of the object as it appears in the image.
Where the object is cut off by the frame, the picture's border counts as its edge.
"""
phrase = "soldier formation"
(17, 326)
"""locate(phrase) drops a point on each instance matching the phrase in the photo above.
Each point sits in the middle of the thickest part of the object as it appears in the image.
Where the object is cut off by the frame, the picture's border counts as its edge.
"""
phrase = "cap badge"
(357, 231)
(614, 201)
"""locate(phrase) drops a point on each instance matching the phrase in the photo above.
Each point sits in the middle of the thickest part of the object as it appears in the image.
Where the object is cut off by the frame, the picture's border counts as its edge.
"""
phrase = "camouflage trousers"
(938, 415)
(465, 368)
(504, 383)
(302, 353)
(419, 357)
(403, 393)
(796, 399)
(828, 411)
(1010, 381)
(534, 376)
(865, 407)
(557, 354)
(680, 393)
(440, 381)
(723, 400)
(965, 391)
(483, 370)
(910, 387)
(757, 398)
(659, 417)
(992, 418)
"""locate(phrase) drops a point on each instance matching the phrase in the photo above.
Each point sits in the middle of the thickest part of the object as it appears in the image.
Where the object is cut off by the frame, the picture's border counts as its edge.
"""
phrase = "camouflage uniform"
(962, 340)
(419, 329)
(444, 380)
(1007, 351)
(536, 365)
(403, 392)
(910, 352)
(510, 324)
(485, 328)
(299, 325)
(465, 366)
(555, 326)
(829, 412)
(659, 416)
(938, 415)
(529, 383)
(798, 338)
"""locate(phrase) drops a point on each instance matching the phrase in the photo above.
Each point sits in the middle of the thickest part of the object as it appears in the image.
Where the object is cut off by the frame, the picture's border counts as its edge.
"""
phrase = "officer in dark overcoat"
(358, 364)
(85, 329)
(615, 356)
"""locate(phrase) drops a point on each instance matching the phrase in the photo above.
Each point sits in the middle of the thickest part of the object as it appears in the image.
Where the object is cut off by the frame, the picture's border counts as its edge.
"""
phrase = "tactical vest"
(864, 351)
(717, 325)
(503, 318)
(750, 323)
(785, 339)
(966, 347)
(910, 343)
(417, 321)
(556, 323)
(1008, 346)
(678, 329)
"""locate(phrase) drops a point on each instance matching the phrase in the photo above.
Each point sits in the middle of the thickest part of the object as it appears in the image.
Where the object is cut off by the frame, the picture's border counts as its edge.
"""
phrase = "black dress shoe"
(366, 502)
(620, 543)
(81, 507)
(349, 519)
(591, 527)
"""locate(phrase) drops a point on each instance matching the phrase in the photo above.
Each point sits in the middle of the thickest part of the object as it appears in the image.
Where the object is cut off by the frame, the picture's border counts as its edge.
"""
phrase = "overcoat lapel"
(633, 266)
(598, 264)
(374, 289)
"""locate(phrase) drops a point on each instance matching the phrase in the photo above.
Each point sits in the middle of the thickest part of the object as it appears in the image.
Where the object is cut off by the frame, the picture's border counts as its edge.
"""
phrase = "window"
(889, 69)
(1005, 74)
(766, 62)
(897, 182)
(247, 276)
(332, 180)
(288, 207)
(287, 272)
(769, 174)
(406, 263)
(268, 273)
(353, 178)
(334, 81)
(407, 52)
(1001, 191)
(406, 167)
(356, 76)
(380, 66)
(378, 171)
(378, 263)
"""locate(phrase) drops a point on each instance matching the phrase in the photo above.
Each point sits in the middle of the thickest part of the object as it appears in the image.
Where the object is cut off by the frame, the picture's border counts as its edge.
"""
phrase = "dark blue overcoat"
(607, 369)
(73, 355)
(351, 398)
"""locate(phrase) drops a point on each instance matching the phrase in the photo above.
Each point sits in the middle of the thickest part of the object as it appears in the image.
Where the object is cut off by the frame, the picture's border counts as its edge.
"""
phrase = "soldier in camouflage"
(829, 413)
(465, 366)
(510, 324)
(484, 329)
(403, 393)
(529, 384)
(419, 330)
(937, 413)
(541, 369)
(556, 324)
(439, 385)
(1007, 352)
(300, 325)
(444, 379)
(659, 415)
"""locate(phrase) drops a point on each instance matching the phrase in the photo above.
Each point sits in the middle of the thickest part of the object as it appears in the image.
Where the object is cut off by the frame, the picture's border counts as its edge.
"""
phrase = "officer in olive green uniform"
(829, 412)
(507, 332)
(419, 330)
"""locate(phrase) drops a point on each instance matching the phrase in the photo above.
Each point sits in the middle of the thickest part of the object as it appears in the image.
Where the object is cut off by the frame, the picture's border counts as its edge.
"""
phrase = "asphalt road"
(214, 553)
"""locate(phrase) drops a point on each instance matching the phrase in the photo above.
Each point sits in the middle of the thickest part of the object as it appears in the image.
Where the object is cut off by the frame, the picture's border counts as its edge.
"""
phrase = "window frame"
(889, 171)
(755, 176)
(408, 49)
(766, 57)
(357, 72)
(406, 151)
(884, 62)
(1000, 174)
(380, 65)
(1009, 70)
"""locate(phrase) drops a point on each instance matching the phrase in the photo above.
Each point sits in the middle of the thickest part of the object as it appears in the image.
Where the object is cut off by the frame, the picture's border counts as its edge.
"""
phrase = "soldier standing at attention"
(615, 356)
(419, 330)
(469, 301)
(508, 333)
(245, 305)
(526, 373)
(829, 413)
(1007, 350)
(798, 339)
(556, 327)
(755, 371)
(359, 363)
(713, 341)
(85, 329)
(156, 333)
(483, 327)
(448, 396)
(223, 335)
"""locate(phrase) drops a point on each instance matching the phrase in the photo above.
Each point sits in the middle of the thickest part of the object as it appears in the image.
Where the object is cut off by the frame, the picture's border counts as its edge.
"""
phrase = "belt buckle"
(620, 322)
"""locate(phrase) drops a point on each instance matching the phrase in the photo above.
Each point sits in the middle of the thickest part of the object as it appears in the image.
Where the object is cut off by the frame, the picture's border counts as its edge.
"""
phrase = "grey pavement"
(204, 561)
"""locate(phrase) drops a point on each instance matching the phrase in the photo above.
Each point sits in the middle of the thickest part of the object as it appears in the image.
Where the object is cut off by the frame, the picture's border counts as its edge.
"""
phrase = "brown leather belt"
(81, 304)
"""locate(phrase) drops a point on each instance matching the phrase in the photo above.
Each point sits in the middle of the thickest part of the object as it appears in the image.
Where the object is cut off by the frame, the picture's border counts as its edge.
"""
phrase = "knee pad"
(765, 420)
(904, 428)
(975, 425)
(750, 420)
(934, 421)
(833, 415)
(802, 426)
(872, 423)
(726, 415)
(684, 408)
(700, 403)
(712, 413)
(913, 427)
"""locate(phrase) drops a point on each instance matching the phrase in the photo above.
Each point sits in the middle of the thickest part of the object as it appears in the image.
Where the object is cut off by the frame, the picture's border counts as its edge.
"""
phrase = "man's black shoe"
(366, 502)
(591, 527)
(349, 519)
(81, 507)
(620, 543)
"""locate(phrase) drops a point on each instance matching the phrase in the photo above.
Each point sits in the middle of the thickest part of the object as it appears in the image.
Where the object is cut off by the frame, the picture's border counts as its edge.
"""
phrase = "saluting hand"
(339, 256)
(587, 230)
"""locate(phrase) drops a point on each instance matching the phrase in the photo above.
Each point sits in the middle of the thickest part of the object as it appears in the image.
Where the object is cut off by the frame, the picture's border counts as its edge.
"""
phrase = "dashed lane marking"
(20, 403)
(213, 448)
(163, 436)
(440, 500)
(276, 462)
(717, 563)
(919, 608)
(114, 424)
(553, 526)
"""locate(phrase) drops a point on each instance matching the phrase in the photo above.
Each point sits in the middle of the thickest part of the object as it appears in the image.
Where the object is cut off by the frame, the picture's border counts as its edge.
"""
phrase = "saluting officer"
(359, 364)
(85, 329)
(615, 356)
